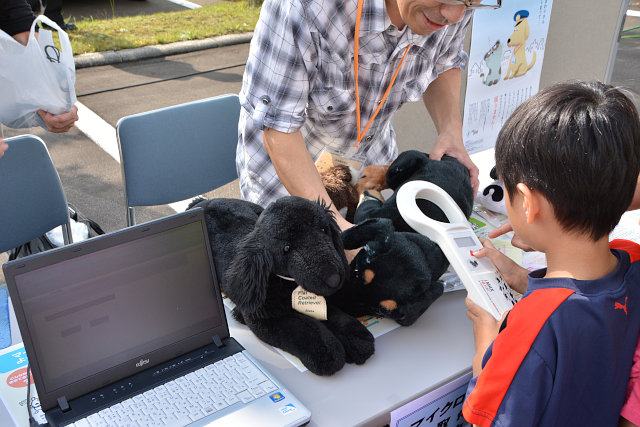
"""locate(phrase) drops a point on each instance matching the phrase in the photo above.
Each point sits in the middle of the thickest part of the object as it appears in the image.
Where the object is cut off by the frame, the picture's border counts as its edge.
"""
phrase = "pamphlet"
(13, 387)
(441, 407)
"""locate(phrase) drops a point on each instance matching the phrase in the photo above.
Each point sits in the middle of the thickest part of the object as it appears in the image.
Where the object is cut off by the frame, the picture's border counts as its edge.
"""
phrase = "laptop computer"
(132, 325)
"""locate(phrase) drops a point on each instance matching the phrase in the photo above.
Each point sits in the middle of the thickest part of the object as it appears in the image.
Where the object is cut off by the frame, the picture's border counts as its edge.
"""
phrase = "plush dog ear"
(404, 167)
(247, 278)
(374, 229)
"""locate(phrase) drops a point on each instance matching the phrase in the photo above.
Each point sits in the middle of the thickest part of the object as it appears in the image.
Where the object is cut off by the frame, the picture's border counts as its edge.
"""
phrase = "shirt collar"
(585, 287)
(374, 17)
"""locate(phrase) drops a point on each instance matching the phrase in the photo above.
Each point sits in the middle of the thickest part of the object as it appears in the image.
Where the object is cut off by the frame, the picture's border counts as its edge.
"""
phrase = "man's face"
(425, 17)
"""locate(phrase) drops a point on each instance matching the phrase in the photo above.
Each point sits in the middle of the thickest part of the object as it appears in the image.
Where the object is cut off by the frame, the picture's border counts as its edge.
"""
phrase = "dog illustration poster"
(504, 68)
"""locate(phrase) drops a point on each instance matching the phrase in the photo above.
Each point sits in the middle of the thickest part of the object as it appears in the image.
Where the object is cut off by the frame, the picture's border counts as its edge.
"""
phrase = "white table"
(408, 362)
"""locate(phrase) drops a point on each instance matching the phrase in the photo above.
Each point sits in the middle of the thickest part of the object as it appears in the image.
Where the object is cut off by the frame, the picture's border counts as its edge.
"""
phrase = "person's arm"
(3, 147)
(626, 423)
(16, 18)
(23, 37)
(297, 171)
(485, 330)
(442, 99)
(494, 397)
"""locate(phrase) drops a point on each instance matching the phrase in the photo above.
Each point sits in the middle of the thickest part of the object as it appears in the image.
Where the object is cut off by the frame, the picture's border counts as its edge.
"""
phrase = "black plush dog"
(394, 274)
(263, 255)
(451, 175)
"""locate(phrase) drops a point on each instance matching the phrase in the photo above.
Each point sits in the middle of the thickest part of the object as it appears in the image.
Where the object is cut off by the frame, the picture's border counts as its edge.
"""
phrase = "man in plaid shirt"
(299, 92)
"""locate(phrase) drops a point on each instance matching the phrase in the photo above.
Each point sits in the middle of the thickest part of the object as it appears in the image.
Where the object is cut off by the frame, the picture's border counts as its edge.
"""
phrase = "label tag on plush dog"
(309, 303)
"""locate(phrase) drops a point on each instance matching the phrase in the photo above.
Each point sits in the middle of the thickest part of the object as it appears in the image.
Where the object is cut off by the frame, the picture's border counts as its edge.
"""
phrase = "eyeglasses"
(473, 4)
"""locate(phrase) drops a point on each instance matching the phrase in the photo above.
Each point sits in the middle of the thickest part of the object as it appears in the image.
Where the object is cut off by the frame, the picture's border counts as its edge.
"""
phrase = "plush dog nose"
(332, 280)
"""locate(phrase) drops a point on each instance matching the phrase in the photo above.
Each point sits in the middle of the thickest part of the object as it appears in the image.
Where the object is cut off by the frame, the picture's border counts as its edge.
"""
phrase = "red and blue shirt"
(565, 354)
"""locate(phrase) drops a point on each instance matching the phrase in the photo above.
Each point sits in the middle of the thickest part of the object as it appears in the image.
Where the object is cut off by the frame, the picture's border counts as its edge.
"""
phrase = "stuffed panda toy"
(492, 197)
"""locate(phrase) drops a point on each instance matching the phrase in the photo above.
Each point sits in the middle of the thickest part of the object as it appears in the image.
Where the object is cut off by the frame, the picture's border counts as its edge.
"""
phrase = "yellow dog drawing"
(518, 63)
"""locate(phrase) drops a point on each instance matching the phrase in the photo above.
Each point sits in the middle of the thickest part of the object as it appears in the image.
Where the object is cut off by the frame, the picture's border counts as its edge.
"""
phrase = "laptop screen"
(93, 312)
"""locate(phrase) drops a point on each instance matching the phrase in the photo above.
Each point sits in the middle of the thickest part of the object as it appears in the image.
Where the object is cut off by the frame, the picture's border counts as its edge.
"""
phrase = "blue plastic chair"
(32, 200)
(178, 152)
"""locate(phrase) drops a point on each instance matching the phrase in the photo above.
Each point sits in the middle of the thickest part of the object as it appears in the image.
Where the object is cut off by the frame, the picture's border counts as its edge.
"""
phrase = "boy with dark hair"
(569, 158)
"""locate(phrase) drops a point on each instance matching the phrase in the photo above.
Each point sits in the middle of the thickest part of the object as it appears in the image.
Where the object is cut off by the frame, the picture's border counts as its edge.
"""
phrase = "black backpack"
(42, 243)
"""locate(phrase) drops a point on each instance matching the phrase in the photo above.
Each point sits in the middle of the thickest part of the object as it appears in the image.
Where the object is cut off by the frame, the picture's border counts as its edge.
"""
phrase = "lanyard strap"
(356, 44)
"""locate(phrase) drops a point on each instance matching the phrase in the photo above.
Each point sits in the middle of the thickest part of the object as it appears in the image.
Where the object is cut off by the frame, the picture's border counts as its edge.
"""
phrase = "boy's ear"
(530, 202)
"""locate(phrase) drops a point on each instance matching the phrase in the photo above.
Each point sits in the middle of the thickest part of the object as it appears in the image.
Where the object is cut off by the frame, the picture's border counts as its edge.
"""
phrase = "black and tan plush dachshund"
(394, 275)
(449, 174)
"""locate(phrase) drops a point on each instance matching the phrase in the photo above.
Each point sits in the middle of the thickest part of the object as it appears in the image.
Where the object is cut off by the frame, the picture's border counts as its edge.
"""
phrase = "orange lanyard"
(356, 44)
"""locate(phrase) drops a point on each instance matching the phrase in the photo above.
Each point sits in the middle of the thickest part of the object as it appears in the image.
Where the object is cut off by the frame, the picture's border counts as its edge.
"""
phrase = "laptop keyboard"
(186, 399)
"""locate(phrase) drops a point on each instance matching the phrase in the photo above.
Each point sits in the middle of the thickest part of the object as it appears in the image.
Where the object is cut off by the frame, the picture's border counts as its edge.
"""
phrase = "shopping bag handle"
(65, 44)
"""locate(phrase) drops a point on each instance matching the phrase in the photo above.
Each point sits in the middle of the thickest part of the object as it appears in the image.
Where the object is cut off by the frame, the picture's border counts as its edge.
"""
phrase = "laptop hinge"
(63, 404)
(217, 341)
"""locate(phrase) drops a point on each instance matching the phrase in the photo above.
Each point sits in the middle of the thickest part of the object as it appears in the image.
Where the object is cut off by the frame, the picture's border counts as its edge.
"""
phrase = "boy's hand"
(515, 241)
(513, 274)
(485, 330)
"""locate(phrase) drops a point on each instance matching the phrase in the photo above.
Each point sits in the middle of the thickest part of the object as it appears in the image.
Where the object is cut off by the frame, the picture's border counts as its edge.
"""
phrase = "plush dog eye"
(324, 230)
(286, 249)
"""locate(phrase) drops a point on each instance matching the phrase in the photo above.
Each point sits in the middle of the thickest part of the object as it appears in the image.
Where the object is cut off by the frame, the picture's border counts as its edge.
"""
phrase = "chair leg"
(67, 237)
(131, 216)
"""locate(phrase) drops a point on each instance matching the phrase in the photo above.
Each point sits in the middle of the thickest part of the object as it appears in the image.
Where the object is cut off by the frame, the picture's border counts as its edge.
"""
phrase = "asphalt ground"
(91, 177)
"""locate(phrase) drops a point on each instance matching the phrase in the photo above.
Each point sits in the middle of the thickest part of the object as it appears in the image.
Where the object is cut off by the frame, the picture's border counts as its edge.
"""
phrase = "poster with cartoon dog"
(505, 64)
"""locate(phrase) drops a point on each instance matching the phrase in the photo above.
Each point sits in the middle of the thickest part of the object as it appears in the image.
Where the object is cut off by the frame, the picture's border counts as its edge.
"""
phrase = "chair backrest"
(178, 152)
(32, 201)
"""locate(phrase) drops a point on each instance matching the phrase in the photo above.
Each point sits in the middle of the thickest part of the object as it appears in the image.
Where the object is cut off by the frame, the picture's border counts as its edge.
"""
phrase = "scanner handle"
(411, 213)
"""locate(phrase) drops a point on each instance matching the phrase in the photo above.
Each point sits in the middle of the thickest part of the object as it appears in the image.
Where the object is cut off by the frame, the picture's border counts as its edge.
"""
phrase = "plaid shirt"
(299, 76)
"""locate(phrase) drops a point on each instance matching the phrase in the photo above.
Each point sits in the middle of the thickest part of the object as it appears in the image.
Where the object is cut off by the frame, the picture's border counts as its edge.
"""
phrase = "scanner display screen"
(464, 242)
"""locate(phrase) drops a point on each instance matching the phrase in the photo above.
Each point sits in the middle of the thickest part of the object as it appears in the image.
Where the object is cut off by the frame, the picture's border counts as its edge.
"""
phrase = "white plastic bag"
(36, 76)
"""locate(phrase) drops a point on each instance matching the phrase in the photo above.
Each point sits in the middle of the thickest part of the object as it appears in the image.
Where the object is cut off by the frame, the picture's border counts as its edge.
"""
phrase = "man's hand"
(515, 240)
(60, 123)
(452, 145)
(3, 147)
(442, 99)
(513, 274)
(485, 330)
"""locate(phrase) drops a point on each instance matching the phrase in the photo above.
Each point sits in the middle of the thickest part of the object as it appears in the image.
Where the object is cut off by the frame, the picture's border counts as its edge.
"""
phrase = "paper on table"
(628, 228)
(376, 325)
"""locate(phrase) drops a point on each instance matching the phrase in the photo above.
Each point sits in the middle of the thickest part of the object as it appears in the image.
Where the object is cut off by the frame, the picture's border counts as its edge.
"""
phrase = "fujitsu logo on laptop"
(142, 362)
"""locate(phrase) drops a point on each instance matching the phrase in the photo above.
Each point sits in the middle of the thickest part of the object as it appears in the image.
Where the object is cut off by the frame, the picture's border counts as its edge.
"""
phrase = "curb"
(115, 57)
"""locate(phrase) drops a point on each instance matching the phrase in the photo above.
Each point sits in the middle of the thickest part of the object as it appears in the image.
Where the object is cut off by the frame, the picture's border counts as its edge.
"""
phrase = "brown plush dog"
(373, 177)
(337, 182)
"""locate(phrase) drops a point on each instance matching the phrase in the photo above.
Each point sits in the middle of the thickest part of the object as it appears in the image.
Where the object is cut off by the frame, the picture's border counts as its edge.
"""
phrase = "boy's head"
(577, 144)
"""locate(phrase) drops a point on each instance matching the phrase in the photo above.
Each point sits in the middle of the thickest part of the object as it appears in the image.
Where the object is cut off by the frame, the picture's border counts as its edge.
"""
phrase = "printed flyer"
(505, 64)
(13, 386)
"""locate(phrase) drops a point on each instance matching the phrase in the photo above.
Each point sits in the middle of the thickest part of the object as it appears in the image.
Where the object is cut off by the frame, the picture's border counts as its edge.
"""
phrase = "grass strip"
(100, 35)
